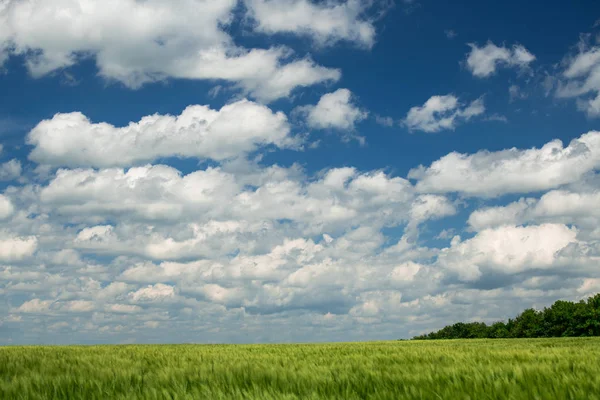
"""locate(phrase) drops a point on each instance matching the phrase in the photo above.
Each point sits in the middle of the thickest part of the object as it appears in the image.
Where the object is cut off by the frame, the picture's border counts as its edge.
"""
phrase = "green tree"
(563, 318)
(498, 330)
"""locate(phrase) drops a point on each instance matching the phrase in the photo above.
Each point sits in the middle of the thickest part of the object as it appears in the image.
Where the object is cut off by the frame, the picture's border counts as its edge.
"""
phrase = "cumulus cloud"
(6, 207)
(334, 110)
(153, 293)
(155, 193)
(428, 207)
(136, 43)
(507, 249)
(10, 170)
(566, 206)
(441, 113)
(34, 306)
(200, 132)
(16, 248)
(338, 253)
(489, 174)
(326, 23)
(581, 79)
(500, 215)
(405, 272)
(483, 61)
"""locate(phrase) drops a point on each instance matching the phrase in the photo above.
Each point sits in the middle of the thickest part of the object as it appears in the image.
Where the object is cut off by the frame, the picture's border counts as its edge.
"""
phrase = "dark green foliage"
(562, 319)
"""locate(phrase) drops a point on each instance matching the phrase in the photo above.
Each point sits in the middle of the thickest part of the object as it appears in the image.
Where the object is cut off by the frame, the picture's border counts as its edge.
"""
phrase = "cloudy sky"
(293, 170)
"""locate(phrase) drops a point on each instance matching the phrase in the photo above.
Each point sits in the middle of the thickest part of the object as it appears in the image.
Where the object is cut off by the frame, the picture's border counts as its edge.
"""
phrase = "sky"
(267, 171)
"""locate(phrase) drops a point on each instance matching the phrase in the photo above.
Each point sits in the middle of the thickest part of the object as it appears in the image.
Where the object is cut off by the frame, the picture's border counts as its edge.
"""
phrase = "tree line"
(562, 319)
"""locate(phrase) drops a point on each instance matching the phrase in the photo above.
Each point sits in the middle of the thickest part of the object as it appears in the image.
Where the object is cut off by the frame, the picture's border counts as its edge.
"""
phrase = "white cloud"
(489, 174)
(136, 43)
(123, 308)
(590, 287)
(484, 61)
(581, 79)
(220, 253)
(334, 110)
(10, 170)
(441, 113)
(429, 206)
(507, 249)
(326, 23)
(35, 306)
(75, 306)
(6, 207)
(16, 248)
(566, 203)
(405, 272)
(159, 193)
(497, 216)
(95, 234)
(153, 293)
(150, 192)
(235, 130)
(557, 206)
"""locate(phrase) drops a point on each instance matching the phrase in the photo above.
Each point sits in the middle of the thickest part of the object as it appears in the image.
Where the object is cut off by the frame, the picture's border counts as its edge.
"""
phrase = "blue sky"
(293, 170)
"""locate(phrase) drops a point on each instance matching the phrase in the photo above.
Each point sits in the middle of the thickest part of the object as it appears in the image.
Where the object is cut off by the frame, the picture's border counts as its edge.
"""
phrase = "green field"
(465, 369)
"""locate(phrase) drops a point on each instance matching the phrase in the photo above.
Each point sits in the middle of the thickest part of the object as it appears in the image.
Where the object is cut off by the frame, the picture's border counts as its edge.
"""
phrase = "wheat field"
(465, 369)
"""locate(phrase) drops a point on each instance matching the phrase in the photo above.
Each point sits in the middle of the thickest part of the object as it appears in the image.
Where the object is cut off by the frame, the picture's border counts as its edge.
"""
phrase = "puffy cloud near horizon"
(441, 113)
(137, 43)
(506, 249)
(160, 193)
(326, 23)
(116, 249)
(150, 246)
(484, 61)
(319, 252)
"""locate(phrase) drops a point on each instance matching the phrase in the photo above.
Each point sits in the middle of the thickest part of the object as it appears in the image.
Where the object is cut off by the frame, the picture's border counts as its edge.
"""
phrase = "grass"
(465, 369)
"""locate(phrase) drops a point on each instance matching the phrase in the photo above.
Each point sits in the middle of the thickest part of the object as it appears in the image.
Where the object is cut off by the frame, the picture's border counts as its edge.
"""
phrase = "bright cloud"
(16, 248)
(441, 113)
(581, 79)
(326, 23)
(489, 174)
(151, 293)
(485, 61)
(234, 130)
(562, 206)
(507, 249)
(334, 110)
(10, 170)
(136, 43)
(6, 207)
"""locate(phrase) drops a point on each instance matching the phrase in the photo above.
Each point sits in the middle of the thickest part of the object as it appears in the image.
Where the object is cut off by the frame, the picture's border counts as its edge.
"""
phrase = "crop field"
(464, 369)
